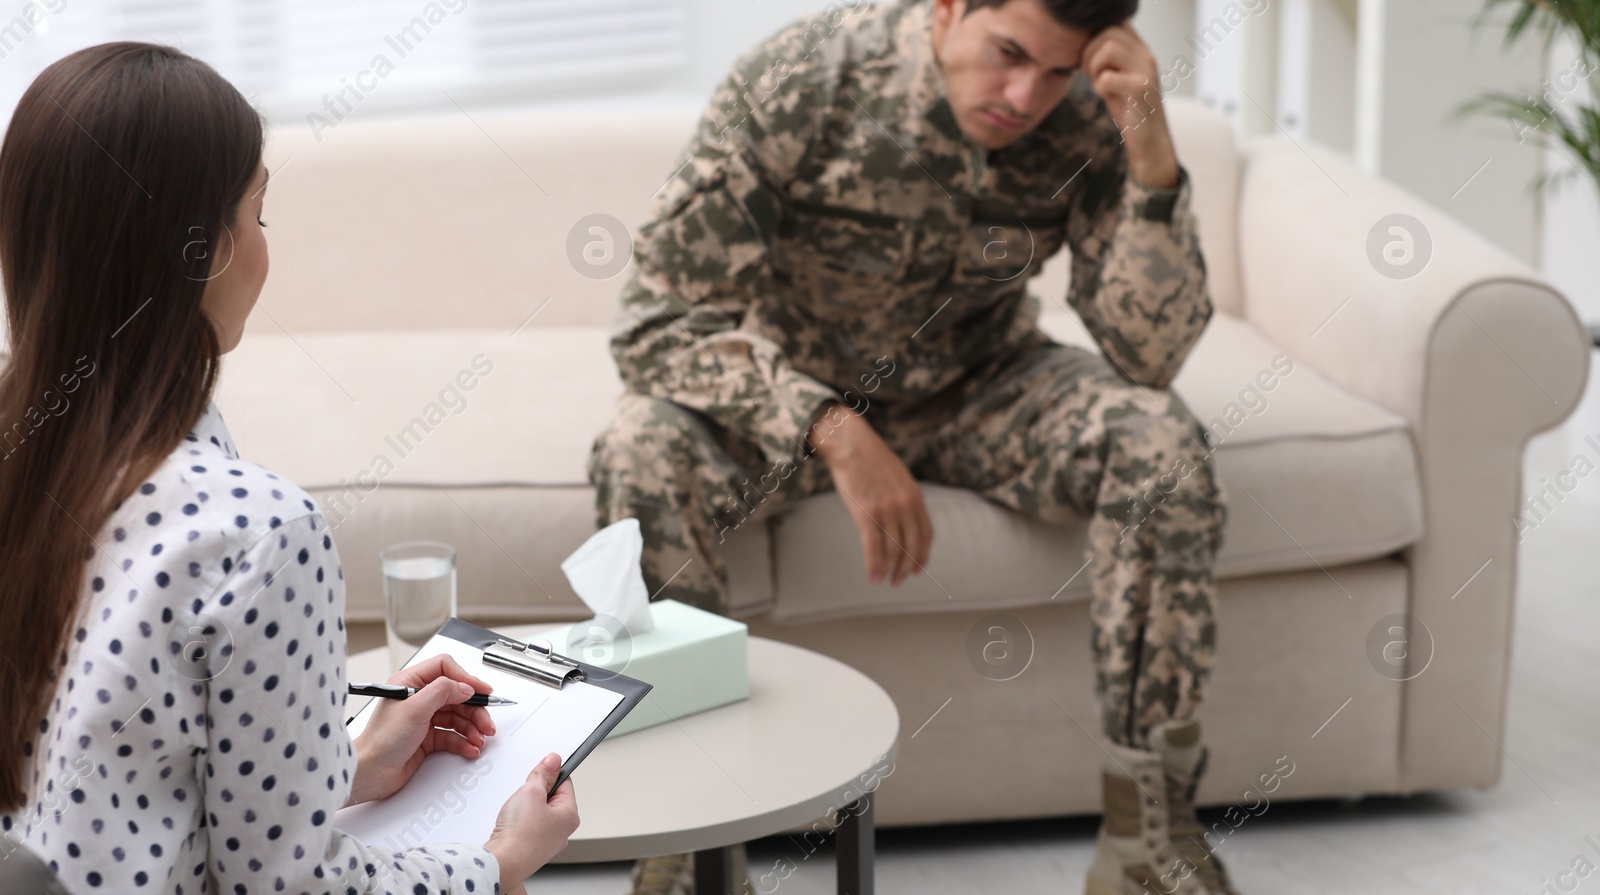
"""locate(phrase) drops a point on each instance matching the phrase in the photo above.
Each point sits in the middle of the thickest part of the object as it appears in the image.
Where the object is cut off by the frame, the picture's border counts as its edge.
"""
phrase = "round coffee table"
(815, 737)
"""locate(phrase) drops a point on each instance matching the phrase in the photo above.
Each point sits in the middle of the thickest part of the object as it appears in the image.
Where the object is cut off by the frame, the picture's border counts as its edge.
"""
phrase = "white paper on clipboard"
(452, 798)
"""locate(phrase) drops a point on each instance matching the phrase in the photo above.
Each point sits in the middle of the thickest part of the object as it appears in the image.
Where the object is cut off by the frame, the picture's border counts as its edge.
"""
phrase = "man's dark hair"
(1083, 15)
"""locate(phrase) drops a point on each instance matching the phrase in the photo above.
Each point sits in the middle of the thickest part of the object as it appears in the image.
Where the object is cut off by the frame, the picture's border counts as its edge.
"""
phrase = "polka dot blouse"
(196, 743)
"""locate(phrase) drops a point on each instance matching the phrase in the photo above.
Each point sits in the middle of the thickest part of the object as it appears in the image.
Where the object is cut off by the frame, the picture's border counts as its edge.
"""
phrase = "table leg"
(713, 871)
(855, 842)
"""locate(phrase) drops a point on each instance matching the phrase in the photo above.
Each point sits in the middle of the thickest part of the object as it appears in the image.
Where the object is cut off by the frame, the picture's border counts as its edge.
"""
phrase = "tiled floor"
(1513, 840)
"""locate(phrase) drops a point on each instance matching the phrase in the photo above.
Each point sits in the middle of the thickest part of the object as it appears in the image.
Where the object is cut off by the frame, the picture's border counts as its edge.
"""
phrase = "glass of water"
(419, 589)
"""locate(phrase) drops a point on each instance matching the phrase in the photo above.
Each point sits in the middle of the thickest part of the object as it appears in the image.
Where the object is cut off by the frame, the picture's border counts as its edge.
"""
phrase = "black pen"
(396, 691)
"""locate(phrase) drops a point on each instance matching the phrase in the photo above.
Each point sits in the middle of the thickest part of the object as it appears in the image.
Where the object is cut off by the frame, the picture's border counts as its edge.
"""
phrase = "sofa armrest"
(1480, 354)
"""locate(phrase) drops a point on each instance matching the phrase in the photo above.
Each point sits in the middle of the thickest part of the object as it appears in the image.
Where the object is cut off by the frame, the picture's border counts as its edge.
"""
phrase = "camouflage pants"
(1051, 432)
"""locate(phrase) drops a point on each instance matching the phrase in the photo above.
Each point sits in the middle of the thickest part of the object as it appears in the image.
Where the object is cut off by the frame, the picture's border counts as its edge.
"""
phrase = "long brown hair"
(120, 171)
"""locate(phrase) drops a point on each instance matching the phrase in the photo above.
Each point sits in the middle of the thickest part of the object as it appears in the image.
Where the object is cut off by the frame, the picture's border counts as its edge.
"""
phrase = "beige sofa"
(414, 256)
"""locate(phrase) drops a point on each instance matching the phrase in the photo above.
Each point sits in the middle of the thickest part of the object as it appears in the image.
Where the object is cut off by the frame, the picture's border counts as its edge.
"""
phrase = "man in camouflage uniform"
(831, 295)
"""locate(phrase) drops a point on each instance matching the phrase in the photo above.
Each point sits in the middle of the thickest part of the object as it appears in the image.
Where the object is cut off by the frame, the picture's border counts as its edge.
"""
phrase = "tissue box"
(695, 660)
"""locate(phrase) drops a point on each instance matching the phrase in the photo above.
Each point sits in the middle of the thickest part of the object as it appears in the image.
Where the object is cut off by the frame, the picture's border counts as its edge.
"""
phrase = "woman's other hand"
(402, 732)
(534, 825)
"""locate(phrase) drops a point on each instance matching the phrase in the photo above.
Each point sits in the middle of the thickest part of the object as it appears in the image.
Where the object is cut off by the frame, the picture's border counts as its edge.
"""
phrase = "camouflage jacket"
(830, 223)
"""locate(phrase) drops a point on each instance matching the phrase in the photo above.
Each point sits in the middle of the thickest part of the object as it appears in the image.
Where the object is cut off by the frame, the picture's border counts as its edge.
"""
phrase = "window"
(296, 58)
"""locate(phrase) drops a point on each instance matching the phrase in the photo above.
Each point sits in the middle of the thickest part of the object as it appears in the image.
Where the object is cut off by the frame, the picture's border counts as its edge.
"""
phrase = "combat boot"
(674, 875)
(1183, 758)
(663, 875)
(1134, 854)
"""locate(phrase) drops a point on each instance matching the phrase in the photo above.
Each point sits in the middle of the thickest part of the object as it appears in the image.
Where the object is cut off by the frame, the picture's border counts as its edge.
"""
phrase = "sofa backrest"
(1205, 147)
(448, 221)
(462, 221)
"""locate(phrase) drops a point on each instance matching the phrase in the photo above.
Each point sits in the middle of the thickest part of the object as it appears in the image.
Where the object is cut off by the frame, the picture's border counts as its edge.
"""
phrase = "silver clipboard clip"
(535, 660)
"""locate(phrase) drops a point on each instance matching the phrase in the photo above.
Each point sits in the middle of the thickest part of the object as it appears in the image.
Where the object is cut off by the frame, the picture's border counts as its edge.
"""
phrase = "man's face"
(1005, 67)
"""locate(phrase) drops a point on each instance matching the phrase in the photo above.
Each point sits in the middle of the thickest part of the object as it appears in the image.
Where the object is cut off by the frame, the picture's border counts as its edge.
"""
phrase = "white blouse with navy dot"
(196, 742)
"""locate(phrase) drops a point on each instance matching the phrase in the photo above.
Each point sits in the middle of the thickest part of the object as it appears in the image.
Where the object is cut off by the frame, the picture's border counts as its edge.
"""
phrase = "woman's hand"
(402, 732)
(534, 825)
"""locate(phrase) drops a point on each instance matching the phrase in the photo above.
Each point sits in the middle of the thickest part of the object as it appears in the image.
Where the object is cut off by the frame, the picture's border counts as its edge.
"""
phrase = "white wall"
(1383, 80)
(1316, 71)
(1433, 58)
(1570, 224)
(1165, 25)
(721, 30)
(1570, 247)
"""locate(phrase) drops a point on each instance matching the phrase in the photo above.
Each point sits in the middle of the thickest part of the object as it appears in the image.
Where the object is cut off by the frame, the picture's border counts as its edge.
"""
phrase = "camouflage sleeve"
(702, 260)
(1139, 281)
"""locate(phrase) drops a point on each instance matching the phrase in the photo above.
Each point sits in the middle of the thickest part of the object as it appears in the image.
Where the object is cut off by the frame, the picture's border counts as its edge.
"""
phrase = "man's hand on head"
(878, 490)
(1123, 71)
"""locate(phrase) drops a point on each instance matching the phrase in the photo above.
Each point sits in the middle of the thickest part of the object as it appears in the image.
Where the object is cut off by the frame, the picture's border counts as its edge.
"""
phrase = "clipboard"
(535, 668)
(547, 666)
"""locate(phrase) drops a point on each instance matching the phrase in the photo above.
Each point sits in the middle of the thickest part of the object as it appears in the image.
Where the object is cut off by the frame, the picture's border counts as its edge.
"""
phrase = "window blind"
(291, 57)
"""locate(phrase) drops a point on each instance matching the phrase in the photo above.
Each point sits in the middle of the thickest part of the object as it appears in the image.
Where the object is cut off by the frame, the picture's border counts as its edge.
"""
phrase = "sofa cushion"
(1314, 477)
(391, 429)
(476, 439)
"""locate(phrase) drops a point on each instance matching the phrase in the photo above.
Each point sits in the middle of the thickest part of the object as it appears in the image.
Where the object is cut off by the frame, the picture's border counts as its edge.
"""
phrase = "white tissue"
(605, 573)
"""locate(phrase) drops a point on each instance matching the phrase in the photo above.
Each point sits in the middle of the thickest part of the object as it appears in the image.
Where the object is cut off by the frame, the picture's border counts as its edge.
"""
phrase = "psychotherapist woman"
(172, 639)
